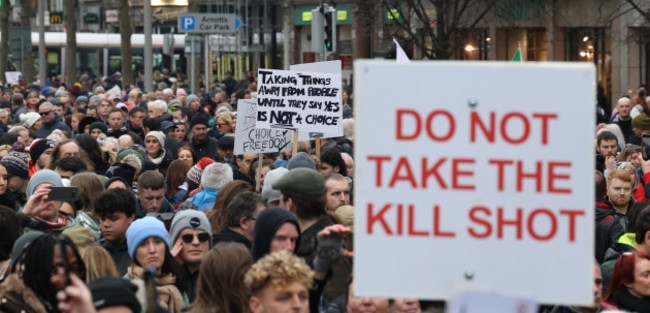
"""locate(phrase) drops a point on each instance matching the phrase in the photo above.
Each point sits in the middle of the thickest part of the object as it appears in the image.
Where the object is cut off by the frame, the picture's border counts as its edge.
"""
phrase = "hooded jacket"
(267, 224)
(47, 128)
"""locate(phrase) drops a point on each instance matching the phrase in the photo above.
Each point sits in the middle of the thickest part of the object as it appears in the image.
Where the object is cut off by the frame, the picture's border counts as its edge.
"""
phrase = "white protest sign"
(461, 180)
(477, 301)
(13, 77)
(303, 101)
(333, 67)
(250, 139)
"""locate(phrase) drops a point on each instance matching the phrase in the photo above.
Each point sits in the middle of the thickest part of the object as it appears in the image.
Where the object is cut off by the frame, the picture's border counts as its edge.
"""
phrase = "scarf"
(628, 302)
(160, 157)
(169, 296)
(61, 221)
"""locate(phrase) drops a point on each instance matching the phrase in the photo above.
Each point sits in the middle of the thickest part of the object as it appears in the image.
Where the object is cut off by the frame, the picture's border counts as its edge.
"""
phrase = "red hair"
(624, 271)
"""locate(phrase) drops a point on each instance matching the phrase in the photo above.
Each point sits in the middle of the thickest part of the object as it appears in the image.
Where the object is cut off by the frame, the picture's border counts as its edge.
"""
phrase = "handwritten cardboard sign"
(251, 139)
(303, 101)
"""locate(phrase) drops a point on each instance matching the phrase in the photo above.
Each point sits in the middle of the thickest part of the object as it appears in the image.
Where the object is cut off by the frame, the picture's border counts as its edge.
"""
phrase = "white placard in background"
(303, 101)
(250, 139)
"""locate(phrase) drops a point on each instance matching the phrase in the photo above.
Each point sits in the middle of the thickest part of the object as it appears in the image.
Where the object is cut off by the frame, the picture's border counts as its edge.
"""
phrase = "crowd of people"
(164, 217)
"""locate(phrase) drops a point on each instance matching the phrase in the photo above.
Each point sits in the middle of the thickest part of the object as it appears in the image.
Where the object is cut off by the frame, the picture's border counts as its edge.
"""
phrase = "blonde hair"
(278, 269)
(98, 263)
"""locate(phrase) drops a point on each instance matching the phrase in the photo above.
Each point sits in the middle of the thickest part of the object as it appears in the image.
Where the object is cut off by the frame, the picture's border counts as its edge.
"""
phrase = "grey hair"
(215, 176)
(160, 105)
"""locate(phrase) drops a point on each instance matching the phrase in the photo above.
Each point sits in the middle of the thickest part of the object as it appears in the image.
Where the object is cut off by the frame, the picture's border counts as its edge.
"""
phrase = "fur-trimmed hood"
(19, 296)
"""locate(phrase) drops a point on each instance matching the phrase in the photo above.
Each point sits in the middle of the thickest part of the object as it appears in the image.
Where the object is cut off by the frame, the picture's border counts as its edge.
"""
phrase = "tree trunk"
(4, 41)
(28, 62)
(69, 15)
(125, 43)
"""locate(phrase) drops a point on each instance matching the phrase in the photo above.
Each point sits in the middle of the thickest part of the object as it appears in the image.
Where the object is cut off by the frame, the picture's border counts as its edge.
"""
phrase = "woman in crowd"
(90, 187)
(187, 155)
(94, 153)
(31, 120)
(175, 182)
(266, 167)
(156, 153)
(74, 123)
(221, 285)
(629, 289)
(148, 245)
(224, 124)
(217, 215)
(181, 133)
(48, 261)
(6, 197)
(98, 263)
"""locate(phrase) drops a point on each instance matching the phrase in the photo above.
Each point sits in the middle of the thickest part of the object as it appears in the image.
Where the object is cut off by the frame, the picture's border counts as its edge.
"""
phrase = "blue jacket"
(47, 128)
(204, 199)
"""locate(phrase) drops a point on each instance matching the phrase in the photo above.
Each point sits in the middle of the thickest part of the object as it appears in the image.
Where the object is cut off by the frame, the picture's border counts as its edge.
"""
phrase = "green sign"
(91, 18)
(392, 14)
(302, 15)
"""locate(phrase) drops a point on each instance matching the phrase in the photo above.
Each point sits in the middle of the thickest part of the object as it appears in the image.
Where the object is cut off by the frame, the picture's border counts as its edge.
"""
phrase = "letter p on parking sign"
(187, 23)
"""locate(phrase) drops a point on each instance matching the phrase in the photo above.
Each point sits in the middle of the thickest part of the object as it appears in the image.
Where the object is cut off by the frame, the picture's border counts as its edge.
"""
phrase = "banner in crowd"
(474, 173)
(303, 101)
(251, 139)
(332, 67)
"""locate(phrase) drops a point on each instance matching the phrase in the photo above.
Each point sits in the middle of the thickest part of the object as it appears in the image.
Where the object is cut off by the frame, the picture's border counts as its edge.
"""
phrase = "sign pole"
(258, 172)
(192, 62)
(294, 143)
(318, 145)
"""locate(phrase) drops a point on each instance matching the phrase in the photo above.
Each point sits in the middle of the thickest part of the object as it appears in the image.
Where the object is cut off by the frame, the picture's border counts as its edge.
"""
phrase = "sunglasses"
(188, 238)
(44, 113)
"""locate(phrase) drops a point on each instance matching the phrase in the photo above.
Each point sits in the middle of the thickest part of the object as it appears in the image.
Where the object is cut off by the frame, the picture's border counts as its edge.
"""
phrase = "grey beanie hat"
(191, 98)
(268, 193)
(42, 177)
(20, 245)
(189, 219)
(301, 159)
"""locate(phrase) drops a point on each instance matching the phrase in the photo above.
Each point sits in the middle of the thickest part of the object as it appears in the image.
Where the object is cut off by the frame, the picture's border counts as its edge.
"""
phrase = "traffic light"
(317, 30)
(329, 15)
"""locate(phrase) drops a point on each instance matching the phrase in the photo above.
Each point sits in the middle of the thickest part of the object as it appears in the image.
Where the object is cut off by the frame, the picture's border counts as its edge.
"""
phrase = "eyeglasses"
(44, 113)
(188, 238)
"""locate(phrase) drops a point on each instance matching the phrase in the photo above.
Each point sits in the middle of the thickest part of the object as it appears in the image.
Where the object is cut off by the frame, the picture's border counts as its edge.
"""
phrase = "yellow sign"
(306, 16)
(52, 58)
(341, 15)
(56, 17)
(393, 14)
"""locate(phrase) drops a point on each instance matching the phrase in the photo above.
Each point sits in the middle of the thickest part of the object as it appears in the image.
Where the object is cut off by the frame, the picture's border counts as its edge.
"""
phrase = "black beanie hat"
(266, 225)
(123, 171)
(85, 122)
(112, 291)
(198, 119)
(38, 147)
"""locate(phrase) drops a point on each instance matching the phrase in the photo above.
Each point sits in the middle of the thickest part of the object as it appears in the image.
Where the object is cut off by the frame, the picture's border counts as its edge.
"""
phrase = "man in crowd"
(338, 191)
(115, 209)
(240, 219)
(50, 121)
(279, 275)
(151, 195)
(191, 235)
(116, 123)
(40, 152)
(201, 143)
(623, 119)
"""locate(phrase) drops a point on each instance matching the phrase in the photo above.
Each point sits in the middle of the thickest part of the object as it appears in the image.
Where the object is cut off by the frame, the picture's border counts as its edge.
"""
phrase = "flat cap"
(301, 182)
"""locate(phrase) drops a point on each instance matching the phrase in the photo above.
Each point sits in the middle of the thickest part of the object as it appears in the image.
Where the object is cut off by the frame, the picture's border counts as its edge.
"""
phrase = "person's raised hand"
(75, 298)
(37, 202)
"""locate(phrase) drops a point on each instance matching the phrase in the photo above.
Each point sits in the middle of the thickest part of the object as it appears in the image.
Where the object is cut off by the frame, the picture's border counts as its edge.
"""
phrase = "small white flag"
(401, 55)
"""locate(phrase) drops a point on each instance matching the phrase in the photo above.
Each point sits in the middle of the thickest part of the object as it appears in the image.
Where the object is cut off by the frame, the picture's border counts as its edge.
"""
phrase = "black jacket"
(119, 254)
(205, 149)
(229, 235)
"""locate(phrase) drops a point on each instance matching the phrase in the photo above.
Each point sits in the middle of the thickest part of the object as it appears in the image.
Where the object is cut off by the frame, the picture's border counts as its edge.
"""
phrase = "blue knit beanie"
(301, 159)
(142, 229)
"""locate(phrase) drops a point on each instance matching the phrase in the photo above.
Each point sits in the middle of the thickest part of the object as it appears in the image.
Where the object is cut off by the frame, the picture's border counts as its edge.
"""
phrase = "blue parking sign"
(187, 23)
